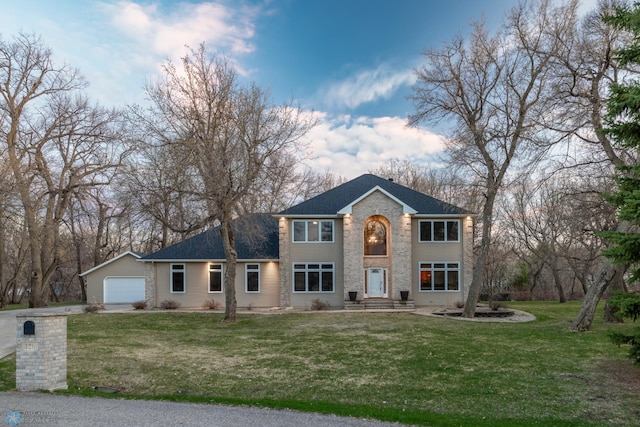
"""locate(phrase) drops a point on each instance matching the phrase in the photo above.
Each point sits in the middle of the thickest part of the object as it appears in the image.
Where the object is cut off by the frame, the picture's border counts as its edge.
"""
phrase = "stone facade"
(467, 255)
(285, 262)
(398, 260)
(41, 357)
(150, 284)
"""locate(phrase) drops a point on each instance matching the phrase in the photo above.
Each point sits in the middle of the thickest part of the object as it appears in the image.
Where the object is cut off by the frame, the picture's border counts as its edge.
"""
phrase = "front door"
(377, 283)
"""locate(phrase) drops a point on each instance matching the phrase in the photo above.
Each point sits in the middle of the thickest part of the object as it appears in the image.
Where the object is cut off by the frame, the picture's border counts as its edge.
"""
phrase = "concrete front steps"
(379, 304)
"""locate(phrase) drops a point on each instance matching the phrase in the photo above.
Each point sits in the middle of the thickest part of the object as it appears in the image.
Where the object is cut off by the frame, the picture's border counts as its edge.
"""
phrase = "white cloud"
(223, 28)
(141, 37)
(367, 86)
(350, 146)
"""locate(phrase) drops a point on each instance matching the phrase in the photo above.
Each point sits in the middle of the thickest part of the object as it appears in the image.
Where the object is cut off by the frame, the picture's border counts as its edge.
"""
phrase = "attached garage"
(117, 281)
(123, 289)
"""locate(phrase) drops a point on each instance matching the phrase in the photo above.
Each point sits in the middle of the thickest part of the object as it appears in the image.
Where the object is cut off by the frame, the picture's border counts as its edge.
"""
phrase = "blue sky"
(349, 61)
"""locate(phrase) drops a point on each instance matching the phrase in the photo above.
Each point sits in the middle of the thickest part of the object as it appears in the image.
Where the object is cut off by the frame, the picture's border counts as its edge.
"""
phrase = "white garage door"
(123, 289)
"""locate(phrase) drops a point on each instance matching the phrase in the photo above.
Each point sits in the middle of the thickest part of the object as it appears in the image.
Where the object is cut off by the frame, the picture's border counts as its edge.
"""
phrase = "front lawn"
(390, 366)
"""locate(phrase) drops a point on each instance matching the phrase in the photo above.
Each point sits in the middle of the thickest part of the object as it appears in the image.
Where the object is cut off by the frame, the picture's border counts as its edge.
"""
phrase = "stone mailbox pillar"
(41, 352)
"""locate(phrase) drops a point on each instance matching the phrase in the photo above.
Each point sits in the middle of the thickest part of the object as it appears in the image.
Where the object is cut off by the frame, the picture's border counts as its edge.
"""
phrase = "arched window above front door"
(375, 238)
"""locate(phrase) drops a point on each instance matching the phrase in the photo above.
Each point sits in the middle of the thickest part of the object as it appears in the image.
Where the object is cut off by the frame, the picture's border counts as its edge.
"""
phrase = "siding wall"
(443, 251)
(320, 252)
(197, 286)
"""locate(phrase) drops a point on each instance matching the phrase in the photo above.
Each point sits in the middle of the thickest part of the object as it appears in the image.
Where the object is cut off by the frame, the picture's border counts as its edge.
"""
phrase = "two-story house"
(369, 239)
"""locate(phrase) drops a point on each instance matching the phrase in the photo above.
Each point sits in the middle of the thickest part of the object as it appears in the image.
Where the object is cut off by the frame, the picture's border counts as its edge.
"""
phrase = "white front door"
(377, 283)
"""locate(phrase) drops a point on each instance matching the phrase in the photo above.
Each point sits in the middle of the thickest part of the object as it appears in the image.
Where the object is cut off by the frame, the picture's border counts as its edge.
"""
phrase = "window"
(313, 231)
(177, 278)
(375, 238)
(439, 276)
(439, 231)
(215, 278)
(313, 277)
(252, 277)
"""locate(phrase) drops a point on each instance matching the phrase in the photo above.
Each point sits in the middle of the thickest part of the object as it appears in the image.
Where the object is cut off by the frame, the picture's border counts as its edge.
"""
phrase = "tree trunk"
(97, 243)
(478, 271)
(557, 281)
(229, 245)
(52, 292)
(611, 314)
(617, 284)
(607, 275)
(36, 297)
(77, 243)
(588, 310)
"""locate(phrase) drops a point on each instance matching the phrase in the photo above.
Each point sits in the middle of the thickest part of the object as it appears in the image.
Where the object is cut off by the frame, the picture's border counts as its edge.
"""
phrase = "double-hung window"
(252, 278)
(178, 278)
(215, 278)
(313, 277)
(439, 276)
(439, 231)
(313, 231)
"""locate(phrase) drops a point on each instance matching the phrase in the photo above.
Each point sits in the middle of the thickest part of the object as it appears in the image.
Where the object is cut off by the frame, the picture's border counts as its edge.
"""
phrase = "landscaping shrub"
(211, 304)
(93, 307)
(496, 305)
(169, 304)
(316, 304)
(139, 305)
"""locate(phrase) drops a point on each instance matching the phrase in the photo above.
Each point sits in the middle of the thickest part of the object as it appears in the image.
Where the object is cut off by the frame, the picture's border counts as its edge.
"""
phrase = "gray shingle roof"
(256, 239)
(257, 235)
(332, 201)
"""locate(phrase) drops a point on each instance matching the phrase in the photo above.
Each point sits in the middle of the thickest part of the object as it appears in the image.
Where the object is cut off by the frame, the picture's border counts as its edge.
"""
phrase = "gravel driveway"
(34, 409)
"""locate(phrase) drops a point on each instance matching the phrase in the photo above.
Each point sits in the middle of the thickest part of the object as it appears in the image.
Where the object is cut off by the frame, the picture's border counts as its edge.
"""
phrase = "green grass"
(388, 366)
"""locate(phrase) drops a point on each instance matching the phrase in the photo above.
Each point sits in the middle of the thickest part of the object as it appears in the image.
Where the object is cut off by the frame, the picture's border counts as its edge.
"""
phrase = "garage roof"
(137, 255)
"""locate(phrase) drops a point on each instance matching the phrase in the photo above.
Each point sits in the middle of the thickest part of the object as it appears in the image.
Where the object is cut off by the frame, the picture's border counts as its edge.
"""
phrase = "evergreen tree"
(623, 126)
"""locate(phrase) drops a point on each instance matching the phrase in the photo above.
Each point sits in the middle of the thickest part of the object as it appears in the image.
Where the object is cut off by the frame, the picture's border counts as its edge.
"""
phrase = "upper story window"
(178, 278)
(440, 231)
(375, 238)
(313, 231)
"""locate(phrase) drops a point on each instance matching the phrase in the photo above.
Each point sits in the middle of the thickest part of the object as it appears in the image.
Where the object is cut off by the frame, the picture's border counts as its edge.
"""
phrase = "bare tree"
(235, 137)
(443, 183)
(93, 224)
(164, 195)
(56, 143)
(586, 70)
(494, 90)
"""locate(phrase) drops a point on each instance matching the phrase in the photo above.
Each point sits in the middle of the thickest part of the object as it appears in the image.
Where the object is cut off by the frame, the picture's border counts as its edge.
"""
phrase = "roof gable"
(256, 239)
(338, 200)
(136, 255)
(406, 209)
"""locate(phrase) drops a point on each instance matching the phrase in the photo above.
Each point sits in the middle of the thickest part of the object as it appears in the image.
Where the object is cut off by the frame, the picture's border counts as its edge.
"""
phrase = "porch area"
(379, 304)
